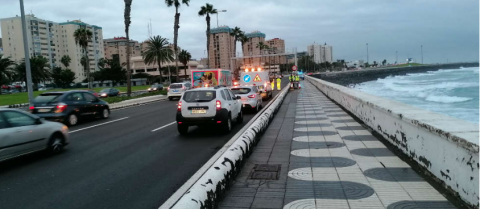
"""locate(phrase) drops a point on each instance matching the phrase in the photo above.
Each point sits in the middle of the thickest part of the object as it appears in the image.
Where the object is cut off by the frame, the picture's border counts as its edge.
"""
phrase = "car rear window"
(176, 86)
(199, 96)
(47, 98)
(241, 90)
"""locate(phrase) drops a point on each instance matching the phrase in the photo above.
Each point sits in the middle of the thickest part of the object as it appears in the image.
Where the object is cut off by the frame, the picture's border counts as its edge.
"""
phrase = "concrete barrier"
(137, 101)
(446, 147)
(207, 185)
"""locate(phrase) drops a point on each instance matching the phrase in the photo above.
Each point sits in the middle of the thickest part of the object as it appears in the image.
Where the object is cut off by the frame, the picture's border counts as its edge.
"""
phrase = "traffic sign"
(294, 68)
(247, 78)
(257, 78)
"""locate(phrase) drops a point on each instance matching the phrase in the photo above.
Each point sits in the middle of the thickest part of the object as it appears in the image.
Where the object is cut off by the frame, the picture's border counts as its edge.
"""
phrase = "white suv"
(177, 89)
(210, 105)
(250, 97)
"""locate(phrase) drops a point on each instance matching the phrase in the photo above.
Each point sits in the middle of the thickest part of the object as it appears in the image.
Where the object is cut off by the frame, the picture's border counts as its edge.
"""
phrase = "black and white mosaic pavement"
(328, 161)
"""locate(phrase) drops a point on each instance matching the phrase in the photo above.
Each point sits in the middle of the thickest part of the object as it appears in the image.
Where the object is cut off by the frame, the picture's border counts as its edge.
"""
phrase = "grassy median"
(19, 98)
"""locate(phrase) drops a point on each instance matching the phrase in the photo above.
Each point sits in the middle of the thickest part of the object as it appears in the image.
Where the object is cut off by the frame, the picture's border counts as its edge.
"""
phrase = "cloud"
(446, 29)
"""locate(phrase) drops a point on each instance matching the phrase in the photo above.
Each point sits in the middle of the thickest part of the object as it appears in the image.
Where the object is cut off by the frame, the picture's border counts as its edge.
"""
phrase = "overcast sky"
(447, 29)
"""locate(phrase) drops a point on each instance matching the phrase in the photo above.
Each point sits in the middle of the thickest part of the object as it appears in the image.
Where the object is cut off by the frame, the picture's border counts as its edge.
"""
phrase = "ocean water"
(452, 92)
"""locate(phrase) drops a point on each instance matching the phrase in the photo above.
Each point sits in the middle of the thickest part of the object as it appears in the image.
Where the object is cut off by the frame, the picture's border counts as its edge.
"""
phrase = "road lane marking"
(97, 125)
(164, 126)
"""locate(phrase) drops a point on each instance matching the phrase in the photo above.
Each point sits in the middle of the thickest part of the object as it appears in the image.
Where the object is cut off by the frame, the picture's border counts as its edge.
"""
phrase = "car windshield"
(199, 96)
(176, 86)
(105, 90)
(154, 86)
(241, 90)
(47, 98)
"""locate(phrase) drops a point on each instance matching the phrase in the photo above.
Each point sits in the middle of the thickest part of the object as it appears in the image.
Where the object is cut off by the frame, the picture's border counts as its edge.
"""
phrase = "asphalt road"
(115, 163)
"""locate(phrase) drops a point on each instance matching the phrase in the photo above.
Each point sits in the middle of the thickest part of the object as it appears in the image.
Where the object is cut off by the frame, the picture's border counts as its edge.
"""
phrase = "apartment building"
(51, 40)
(138, 66)
(250, 48)
(320, 53)
(277, 46)
(116, 48)
(221, 47)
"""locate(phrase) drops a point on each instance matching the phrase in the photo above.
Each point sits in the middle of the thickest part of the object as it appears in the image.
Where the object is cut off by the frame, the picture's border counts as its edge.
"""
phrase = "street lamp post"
(27, 55)
(421, 51)
(219, 12)
(367, 52)
(396, 57)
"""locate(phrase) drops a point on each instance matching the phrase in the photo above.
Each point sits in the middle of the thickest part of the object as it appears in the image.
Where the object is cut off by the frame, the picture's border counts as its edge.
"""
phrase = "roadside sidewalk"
(327, 160)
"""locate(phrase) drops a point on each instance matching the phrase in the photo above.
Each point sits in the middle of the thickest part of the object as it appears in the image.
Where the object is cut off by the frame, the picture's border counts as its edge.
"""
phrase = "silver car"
(22, 133)
(250, 96)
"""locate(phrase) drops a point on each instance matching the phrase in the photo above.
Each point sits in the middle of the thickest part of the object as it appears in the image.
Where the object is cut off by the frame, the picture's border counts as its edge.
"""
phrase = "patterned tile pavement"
(328, 160)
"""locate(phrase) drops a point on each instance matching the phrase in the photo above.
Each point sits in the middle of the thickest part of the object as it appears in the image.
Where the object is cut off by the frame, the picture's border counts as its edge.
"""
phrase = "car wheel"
(72, 119)
(227, 127)
(105, 113)
(257, 108)
(170, 98)
(55, 145)
(240, 117)
(182, 129)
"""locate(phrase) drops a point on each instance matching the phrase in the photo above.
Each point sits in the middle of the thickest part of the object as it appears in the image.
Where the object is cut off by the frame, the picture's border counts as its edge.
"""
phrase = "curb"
(207, 186)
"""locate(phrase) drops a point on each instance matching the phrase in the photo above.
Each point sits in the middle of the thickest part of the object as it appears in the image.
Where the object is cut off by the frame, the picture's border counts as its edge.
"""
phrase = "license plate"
(199, 111)
(43, 110)
(175, 90)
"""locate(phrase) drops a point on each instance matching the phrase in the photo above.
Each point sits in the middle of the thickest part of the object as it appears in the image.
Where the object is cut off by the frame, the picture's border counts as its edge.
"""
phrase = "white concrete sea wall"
(446, 147)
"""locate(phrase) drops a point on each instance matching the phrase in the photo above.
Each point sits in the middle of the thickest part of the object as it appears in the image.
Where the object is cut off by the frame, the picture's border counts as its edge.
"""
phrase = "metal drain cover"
(265, 172)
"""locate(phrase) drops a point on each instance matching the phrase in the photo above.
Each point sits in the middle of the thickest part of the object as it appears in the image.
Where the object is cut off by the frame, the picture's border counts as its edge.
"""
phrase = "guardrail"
(445, 146)
(208, 184)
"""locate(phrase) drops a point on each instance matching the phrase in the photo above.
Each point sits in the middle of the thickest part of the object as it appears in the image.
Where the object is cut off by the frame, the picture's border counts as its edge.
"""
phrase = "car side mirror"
(38, 121)
(238, 97)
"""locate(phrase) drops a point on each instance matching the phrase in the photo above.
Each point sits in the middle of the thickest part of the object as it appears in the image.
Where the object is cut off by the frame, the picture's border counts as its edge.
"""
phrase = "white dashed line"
(164, 126)
(97, 125)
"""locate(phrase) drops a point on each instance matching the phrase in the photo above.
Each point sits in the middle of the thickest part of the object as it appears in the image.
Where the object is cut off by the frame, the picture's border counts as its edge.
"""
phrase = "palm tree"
(65, 60)
(236, 33)
(82, 37)
(262, 48)
(5, 70)
(128, 5)
(176, 25)
(184, 57)
(207, 10)
(157, 50)
(243, 39)
(39, 70)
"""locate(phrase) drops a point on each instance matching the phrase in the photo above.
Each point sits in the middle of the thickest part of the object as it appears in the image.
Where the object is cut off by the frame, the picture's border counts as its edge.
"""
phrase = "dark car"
(93, 92)
(155, 87)
(108, 92)
(69, 106)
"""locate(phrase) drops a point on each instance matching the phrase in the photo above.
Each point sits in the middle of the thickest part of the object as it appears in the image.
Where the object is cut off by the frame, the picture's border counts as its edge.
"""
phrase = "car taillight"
(218, 105)
(168, 89)
(60, 107)
(179, 106)
(252, 96)
(31, 108)
(183, 87)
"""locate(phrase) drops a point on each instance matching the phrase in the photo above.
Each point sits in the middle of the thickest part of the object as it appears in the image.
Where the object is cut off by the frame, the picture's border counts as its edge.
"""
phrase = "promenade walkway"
(325, 159)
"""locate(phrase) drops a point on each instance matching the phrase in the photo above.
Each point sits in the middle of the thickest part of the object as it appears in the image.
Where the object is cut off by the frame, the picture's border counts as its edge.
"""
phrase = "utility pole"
(27, 56)
(421, 50)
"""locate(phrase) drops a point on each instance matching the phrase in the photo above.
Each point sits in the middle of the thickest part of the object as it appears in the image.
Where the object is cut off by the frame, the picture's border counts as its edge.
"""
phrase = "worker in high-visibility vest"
(297, 78)
(273, 83)
(279, 81)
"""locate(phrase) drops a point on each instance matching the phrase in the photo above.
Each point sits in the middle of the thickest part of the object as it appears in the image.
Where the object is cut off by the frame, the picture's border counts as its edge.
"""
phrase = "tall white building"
(52, 41)
(320, 53)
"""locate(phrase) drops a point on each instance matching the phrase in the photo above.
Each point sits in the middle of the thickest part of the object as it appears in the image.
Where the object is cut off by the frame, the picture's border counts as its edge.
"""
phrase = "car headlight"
(149, 89)
(104, 94)
(154, 89)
